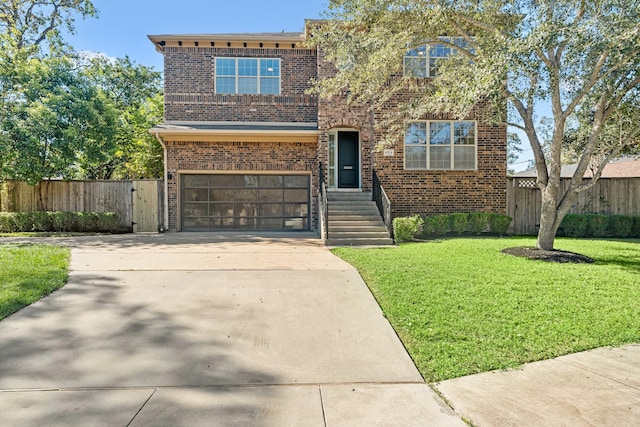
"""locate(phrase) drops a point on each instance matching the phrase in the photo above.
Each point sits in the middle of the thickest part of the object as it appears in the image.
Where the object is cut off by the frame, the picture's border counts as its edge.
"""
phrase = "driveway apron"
(209, 329)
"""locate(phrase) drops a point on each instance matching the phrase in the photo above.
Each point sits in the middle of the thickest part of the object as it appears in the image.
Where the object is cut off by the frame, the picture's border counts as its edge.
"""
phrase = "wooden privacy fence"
(138, 203)
(611, 196)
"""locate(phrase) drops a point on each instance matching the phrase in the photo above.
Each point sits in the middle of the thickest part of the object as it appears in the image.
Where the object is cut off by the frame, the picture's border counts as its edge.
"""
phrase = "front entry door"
(348, 160)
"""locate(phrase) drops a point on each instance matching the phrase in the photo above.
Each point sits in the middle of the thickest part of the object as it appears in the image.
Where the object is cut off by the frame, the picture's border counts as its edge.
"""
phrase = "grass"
(28, 273)
(461, 307)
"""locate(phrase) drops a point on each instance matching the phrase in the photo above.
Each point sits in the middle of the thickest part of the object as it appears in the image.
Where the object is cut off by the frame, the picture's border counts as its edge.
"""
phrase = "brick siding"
(190, 87)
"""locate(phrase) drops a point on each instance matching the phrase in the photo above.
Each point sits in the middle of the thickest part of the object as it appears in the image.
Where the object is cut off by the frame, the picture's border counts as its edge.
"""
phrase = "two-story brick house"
(245, 141)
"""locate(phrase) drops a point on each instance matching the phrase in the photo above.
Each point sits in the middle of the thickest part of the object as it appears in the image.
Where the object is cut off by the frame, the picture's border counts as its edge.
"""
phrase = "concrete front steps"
(354, 220)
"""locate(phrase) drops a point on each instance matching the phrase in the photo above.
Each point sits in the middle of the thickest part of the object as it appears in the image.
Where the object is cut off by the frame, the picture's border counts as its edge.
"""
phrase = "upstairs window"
(423, 60)
(248, 76)
(440, 145)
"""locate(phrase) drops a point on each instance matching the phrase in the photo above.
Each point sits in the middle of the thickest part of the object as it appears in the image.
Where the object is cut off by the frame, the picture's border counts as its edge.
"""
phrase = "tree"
(28, 24)
(57, 124)
(136, 92)
(582, 59)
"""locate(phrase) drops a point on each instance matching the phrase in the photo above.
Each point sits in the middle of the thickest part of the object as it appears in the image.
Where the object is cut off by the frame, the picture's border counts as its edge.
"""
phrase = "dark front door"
(348, 160)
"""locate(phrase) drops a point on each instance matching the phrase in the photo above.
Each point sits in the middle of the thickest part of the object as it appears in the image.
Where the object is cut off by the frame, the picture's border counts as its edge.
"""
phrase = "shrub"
(65, 221)
(42, 221)
(499, 224)
(440, 224)
(620, 225)
(7, 225)
(478, 222)
(575, 225)
(635, 230)
(107, 222)
(103, 222)
(406, 228)
(458, 222)
(597, 225)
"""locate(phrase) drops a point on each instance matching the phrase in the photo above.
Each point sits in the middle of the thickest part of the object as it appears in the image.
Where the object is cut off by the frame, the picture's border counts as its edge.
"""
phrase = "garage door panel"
(271, 181)
(296, 210)
(196, 195)
(296, 181)
(300, 196)
(196, 209)
(196, 181)
(201, 224)
(272, 210)
(220, 195)
(270, 196)
(245, 202)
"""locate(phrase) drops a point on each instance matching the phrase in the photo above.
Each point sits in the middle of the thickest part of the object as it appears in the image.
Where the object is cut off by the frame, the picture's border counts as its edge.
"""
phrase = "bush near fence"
(81, 222)
(427, 227)
(597, 225)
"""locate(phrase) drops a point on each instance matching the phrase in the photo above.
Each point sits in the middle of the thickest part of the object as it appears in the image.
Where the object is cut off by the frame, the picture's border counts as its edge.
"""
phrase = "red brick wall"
(448, 191)
(190, 87)
(417, 191)
(239, 157)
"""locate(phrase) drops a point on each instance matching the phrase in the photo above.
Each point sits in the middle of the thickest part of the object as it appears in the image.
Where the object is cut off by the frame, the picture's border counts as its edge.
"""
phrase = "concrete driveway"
(206, 329)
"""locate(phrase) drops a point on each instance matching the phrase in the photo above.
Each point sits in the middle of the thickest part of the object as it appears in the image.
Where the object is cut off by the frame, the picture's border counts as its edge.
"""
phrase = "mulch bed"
(548, 256)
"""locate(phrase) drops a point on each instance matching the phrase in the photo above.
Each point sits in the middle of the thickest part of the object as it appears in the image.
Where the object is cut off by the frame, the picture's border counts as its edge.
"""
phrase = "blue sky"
(122, 26)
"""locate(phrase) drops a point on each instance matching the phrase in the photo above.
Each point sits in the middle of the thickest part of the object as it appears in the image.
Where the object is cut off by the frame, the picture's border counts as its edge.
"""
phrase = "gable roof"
(621, 168)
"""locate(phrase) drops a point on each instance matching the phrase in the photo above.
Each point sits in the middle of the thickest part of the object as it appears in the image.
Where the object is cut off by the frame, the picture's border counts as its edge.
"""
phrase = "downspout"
(166, 183)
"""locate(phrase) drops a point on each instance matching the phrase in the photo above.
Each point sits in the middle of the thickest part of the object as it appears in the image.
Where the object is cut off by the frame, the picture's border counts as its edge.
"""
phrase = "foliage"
(635, 230)
(458, 222)
(580, 58)
(99, 222)
(57, 122)
(514, 149)
(28, 273)
(65, 116)
(478, 222)
(575, 225)
(437, 224)
(136, 93)
(462, 307)
(406, 228)
(597, 225)
(620, 225)
(27, 25)
(499, 224)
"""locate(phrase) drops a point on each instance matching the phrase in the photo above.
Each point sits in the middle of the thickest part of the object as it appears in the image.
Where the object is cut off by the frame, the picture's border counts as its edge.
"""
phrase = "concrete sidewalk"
(594, 388)
(216, 330)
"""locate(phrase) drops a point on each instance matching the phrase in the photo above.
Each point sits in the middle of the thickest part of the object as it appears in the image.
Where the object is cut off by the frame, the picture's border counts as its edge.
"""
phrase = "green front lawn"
(461, 306)
(29, 272)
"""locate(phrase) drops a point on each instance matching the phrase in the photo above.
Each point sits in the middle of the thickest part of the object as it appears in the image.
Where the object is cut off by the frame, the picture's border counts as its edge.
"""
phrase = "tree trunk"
(548, 218)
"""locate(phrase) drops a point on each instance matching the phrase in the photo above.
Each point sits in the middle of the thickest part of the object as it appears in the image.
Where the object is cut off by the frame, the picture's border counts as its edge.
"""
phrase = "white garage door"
(245, 202)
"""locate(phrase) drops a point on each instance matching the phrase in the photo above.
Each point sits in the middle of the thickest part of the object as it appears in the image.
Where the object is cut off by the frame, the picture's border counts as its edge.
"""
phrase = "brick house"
(246, 145)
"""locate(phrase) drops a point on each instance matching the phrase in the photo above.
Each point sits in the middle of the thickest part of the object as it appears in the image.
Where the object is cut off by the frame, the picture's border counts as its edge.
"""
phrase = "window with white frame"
(440, 145)
(248, 76)
(422, 61)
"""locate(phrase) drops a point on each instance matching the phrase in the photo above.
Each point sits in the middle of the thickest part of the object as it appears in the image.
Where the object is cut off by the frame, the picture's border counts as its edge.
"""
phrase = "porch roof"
(237, 131)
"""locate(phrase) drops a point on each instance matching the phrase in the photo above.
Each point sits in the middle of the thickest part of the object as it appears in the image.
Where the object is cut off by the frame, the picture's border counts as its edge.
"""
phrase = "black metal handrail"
(383, 203)
(324, 205)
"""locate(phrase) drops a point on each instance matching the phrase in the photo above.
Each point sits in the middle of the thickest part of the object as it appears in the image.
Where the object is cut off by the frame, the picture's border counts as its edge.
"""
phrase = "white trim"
(427, 144)
(238, 76)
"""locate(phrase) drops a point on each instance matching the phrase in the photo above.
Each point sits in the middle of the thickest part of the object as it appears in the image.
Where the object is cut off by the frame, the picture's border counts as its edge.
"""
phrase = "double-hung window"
(440, 145)
(248, 76)
(422, 61)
